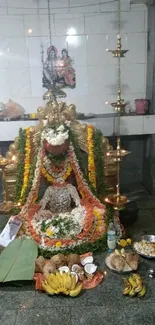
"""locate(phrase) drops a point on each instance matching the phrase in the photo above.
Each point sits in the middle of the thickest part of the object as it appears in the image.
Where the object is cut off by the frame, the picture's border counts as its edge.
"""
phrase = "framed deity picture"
(58, 69)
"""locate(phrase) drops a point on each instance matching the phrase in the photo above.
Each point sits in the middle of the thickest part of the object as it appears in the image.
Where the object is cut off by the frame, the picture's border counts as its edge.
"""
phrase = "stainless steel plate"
(126, 269)
(149, 238)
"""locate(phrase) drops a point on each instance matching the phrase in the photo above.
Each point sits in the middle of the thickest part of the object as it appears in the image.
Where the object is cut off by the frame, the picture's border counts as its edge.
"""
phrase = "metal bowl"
(149, 238)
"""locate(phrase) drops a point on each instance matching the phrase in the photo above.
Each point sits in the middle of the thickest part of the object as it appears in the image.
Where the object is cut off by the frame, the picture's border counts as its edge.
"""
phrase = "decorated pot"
(56, 150)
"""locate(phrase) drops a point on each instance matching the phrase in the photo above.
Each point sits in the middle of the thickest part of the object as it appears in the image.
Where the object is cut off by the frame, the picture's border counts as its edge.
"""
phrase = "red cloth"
(93, 283)
(38, 277)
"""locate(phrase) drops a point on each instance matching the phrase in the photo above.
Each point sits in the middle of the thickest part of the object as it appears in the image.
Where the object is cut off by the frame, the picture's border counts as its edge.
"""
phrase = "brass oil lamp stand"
(117, 200)
(5, 206)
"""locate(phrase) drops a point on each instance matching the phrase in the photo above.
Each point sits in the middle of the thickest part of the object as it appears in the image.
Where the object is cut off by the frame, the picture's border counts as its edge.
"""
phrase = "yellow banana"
(52, 281)
(132, 293)
(139, 286)
(73, 285)
(64, 277)
(143, 291)
(48, 289)
(127, 290)
(68, 283)
(76, 291)
(125, 281)
(127, 287)
(137, 278)
(132, 282)
(59, 280)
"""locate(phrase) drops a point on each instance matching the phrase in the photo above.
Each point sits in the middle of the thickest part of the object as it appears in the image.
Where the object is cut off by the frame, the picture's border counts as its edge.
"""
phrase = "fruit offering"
(145, 247)
(134, 286)
(64, 283)
(123, 261)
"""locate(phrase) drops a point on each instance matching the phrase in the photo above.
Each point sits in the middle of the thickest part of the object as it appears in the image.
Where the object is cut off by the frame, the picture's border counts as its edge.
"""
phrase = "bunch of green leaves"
(99, 163)
(56, 159)
(20, 167)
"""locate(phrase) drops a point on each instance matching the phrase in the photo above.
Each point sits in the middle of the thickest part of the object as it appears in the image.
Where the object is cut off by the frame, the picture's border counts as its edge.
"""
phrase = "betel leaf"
(17, 261)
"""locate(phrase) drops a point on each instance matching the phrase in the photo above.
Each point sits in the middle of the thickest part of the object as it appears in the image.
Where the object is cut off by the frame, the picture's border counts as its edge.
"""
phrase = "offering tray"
(127, 268)
(148, 238)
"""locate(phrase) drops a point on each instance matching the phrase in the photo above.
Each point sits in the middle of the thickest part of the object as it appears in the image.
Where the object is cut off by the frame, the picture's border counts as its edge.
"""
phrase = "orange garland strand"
(27, 162)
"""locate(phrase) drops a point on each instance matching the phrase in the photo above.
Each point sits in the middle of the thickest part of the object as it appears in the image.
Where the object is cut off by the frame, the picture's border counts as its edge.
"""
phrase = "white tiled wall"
(24, 26)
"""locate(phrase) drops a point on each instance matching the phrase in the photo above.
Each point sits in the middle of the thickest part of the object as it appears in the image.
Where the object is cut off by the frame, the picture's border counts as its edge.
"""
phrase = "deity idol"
(49, 67)
(59, 188)
(65, 71)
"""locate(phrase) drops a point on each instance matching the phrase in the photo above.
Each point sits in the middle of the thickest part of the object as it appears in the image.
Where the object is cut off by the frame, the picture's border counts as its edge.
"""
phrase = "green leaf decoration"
(99, 164)
(17, 261)
(20, 167)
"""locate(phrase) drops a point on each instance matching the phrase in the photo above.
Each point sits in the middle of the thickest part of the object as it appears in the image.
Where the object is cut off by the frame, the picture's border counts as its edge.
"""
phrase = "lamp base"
(118, 202)
(6, 207)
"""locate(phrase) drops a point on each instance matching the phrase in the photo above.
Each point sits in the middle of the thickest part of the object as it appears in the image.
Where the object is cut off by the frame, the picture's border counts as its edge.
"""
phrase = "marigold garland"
(30, 179)
(27, 162)
(91, 161)
(32, 196)
(55, 180)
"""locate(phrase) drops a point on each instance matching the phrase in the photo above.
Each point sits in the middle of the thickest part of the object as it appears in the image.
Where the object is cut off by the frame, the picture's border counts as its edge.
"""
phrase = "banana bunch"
(63, 283)
(134, 286)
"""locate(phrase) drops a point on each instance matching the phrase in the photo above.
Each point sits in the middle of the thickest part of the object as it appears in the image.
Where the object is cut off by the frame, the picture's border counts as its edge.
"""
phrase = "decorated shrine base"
(93, 230)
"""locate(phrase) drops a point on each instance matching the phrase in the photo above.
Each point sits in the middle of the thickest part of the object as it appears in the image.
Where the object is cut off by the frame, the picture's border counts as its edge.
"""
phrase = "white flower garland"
(47, 165)
(73, 155)
(55, 137)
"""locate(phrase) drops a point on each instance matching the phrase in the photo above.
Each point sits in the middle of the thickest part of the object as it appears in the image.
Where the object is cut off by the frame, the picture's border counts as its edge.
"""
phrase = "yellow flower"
(123, 243)
(58, 244)
(91, 162)
(49, 232)
(54, 180)
(26, 162)
(128, 241)
(100, 222)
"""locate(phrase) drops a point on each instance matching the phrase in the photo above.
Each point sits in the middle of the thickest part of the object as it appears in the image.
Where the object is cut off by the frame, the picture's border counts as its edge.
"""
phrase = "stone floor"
(101, 306)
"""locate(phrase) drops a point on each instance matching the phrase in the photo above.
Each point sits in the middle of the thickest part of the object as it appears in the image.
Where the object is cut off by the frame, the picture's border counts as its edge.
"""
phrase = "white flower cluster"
(76, 216)
(55, 137)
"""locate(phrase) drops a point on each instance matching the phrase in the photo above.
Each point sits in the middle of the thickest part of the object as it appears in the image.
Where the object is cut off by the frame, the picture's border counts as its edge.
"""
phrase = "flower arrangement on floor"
(77, 228)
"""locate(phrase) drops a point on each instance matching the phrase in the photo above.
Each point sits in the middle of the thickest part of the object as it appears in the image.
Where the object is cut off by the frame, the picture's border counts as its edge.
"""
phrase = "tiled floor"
(101, 306)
